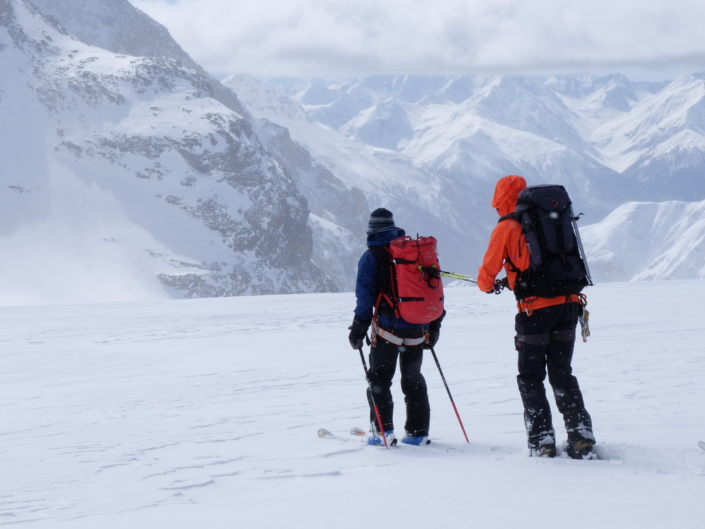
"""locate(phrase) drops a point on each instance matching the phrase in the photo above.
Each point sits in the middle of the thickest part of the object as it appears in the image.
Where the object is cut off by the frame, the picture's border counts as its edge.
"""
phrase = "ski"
(327, 434)
(359, 432)
(354, 431)
(701, 444)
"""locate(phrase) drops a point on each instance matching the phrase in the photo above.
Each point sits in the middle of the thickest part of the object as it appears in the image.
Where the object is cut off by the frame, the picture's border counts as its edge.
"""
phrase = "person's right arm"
(366, 293)
(366, 287)
(494, 258)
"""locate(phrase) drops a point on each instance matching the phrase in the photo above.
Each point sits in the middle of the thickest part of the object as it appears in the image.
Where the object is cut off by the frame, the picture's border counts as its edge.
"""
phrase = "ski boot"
(421, 440)
(548, 450)
(581, 449)
(376, 439)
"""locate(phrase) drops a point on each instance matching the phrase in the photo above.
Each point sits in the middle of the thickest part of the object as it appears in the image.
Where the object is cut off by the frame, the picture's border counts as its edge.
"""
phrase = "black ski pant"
(545, 340)
(383, 364)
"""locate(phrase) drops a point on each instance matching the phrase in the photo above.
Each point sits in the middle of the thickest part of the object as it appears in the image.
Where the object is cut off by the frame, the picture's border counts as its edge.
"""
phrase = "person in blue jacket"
(394, 338)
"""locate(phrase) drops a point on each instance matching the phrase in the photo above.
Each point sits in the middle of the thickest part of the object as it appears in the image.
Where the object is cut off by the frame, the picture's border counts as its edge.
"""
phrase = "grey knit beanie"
(381, 219)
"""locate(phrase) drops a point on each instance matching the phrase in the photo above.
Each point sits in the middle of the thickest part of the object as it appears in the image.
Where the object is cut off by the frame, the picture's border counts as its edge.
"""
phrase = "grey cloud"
(284, 37)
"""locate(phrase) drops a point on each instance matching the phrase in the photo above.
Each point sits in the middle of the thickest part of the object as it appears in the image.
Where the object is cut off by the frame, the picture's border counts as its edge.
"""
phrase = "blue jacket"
(366, 287)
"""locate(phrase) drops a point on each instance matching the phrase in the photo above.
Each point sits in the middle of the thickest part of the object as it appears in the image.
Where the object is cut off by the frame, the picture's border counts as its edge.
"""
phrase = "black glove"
(358, 331)
(433, 337)
(434, 331)
(499, 285)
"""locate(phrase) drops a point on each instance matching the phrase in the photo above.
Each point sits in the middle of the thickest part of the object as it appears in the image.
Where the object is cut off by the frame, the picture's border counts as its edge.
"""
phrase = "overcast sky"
(344, 37)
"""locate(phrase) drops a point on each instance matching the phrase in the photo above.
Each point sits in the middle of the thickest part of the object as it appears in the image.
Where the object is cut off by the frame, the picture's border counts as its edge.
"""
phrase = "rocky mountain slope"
(357, 177)
(123, 172)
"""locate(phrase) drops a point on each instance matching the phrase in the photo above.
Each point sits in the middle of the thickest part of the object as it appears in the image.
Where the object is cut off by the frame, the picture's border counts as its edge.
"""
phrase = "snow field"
(203, 413)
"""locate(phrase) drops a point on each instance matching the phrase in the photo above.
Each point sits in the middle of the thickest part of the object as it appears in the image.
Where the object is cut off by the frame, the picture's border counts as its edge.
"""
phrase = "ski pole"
(432, 270)
(372, 398)
(451, 396)
(459, 276)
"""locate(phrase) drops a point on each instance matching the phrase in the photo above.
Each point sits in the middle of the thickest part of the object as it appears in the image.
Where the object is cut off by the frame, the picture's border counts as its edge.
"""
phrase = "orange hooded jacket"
(507, 244)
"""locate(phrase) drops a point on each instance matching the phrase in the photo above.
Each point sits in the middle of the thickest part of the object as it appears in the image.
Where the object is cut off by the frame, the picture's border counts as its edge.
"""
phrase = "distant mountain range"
(129, 172)
(642, 241)
(607, 138)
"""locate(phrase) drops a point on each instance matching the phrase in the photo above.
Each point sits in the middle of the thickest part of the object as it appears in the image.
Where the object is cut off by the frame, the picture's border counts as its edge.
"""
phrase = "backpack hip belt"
(526, 304)
(396, 340)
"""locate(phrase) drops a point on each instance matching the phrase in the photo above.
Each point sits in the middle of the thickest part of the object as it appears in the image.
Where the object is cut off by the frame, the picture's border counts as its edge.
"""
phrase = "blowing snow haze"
(129, 172)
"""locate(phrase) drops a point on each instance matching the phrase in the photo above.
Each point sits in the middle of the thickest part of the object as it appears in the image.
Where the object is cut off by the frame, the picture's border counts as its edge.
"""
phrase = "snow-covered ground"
(203, 413)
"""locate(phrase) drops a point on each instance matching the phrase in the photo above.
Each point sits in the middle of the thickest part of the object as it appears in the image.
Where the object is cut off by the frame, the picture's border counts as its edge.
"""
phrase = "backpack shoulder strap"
(378, 250)
(512, 216)
(385, 282)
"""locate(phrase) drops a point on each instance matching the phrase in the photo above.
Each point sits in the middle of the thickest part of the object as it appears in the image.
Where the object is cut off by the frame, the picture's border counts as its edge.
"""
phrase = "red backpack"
(416, 281)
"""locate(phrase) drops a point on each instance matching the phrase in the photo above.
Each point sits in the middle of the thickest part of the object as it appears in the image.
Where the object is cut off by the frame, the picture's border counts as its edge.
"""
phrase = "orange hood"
(506, 194)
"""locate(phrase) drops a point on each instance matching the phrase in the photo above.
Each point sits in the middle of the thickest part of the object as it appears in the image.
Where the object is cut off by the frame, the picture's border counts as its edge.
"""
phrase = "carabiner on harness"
(584, 317)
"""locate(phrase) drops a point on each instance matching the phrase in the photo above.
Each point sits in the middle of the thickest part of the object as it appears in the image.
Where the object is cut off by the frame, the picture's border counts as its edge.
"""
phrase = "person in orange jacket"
(545, 336)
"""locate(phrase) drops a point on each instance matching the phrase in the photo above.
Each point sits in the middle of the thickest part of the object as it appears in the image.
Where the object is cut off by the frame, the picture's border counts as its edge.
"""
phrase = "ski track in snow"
(203, 412)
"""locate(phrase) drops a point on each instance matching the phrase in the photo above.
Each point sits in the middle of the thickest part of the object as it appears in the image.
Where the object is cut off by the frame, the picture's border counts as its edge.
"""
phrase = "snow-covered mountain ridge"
(116, 106)
(647, 241)
(423, 200)
(124, 172)
(608, 138)
(129, 172)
